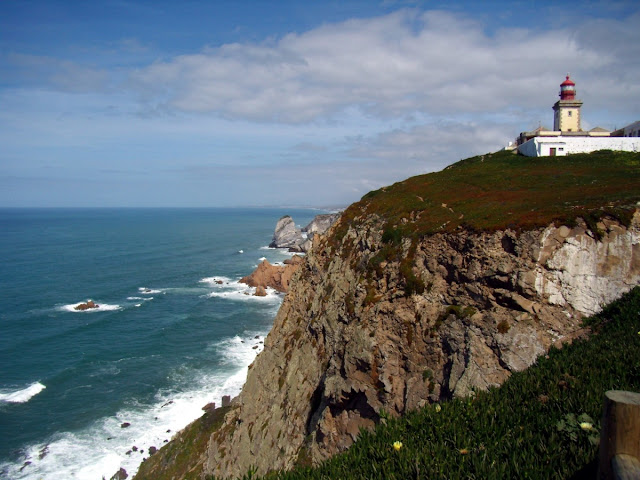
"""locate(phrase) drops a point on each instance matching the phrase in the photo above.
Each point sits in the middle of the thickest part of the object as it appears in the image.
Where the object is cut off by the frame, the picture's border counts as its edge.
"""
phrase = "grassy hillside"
(501, 190)
(542, 423)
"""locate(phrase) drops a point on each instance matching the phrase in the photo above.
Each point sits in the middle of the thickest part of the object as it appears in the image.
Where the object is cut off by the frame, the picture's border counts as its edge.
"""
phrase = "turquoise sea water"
(174, 329)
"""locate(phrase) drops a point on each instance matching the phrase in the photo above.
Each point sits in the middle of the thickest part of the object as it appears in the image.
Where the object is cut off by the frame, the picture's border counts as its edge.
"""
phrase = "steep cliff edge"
(446, 291)
(432, 288)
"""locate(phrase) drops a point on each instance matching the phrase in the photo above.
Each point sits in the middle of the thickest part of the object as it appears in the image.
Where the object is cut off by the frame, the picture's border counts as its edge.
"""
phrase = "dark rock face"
(209, 407)
(120, 475)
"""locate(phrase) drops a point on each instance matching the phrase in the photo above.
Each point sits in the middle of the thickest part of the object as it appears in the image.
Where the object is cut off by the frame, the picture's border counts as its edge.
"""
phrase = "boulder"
(87, 306)
(120, 475)
(209, 407)
(260, 291)
(226, 400)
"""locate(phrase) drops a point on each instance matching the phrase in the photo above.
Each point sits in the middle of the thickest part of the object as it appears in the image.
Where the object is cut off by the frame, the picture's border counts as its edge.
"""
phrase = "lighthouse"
(566, 111)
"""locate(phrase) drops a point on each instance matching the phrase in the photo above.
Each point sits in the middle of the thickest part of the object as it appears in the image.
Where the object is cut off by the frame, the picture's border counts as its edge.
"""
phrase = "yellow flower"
(586, 426)
(438, 408)
(464, 451)
(397, 445)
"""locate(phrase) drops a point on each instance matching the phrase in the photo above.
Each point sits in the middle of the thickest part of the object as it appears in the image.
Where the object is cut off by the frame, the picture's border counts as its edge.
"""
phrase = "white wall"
(541, 146)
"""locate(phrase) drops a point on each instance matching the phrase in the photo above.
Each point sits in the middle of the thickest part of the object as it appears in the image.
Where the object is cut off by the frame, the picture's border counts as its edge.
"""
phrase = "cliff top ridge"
(502, 190)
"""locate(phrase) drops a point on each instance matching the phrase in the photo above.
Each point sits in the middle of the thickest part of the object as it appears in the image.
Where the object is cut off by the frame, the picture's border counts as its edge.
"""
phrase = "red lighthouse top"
(567, 89)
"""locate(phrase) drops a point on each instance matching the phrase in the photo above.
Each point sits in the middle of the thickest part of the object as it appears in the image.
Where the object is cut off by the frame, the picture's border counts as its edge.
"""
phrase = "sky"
(131, 103)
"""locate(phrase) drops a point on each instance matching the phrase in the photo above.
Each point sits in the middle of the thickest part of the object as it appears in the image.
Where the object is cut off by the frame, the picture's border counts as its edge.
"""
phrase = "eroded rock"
(349, 341)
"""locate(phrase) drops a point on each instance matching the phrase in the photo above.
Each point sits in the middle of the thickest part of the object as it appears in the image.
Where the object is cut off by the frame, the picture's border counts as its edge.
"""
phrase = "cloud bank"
(434, 62)
(315, 117)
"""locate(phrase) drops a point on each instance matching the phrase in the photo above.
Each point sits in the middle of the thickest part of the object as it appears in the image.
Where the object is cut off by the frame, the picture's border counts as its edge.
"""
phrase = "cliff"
(432, 288)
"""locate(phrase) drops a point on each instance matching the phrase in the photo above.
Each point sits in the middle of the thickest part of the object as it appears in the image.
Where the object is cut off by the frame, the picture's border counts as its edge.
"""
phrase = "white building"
(632, 130)
(564, 145)
(567, 136)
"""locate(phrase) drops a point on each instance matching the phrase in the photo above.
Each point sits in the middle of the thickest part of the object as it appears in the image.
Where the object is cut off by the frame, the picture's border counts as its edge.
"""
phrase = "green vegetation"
(180, 457)
(501, 190)
(542, 423)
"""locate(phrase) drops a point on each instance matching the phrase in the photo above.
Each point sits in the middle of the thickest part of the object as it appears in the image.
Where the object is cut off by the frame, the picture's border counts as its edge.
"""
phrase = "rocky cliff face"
(364, 330)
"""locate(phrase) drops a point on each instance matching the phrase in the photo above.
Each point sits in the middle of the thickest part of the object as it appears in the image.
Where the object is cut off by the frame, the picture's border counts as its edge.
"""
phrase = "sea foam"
(103, 448)
(23, 395)
(102, 307)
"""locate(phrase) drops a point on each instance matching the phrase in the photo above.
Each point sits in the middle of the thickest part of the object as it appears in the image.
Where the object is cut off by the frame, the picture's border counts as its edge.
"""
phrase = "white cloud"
(318, 117)
(390, 66)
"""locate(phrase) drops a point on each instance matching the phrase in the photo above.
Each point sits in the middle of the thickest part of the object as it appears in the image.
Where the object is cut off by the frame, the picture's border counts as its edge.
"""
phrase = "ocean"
(173, 331)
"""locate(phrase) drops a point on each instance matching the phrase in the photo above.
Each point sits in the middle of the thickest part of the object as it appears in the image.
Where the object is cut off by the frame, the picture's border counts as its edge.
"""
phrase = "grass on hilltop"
(530, 427)
(502, 190)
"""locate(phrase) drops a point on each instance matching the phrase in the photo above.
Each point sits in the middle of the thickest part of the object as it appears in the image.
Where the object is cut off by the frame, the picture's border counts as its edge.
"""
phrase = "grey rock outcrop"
(321, 223)
(286, 234)
(359, 333)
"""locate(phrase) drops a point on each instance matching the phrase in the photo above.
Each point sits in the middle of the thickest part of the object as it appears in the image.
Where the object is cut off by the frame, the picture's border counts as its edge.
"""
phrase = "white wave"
(240, 291)
(102, 307)
(105, 447)
(241, 350)
(149, 291)
(23, 395)
(214, 281)
(240, 251)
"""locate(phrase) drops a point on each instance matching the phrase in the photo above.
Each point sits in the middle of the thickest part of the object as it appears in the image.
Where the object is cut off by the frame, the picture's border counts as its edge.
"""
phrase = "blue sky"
(238, 103)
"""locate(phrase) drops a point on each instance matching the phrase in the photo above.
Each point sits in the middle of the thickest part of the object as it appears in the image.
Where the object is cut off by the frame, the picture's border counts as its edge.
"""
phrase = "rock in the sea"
(274, 276)
(120, 475)
(87, 306)
(209, 407)
(125, 425)
(260, 291)
(286, 234)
